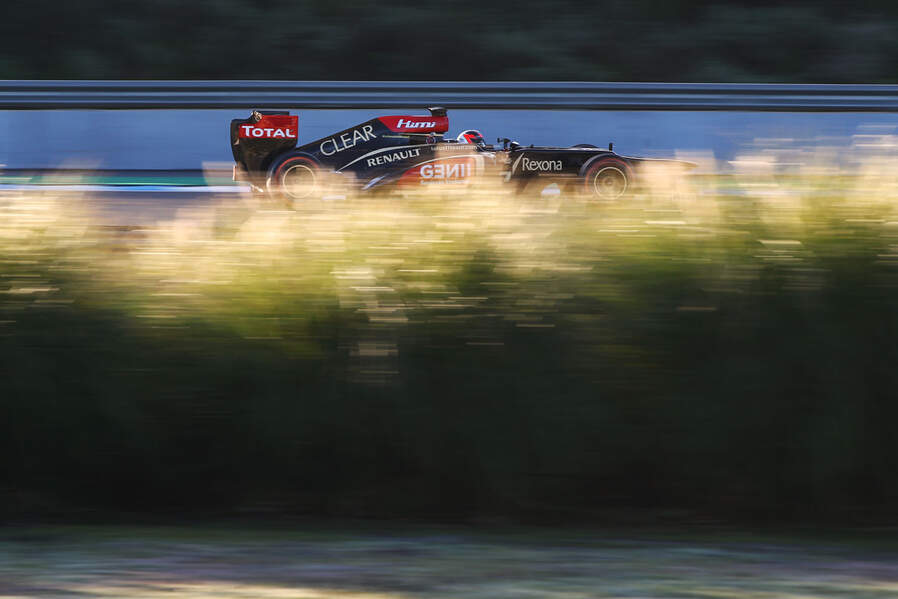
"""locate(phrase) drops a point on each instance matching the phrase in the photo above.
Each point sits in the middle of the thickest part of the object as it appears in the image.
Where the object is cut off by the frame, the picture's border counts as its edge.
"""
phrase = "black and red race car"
(411, 150)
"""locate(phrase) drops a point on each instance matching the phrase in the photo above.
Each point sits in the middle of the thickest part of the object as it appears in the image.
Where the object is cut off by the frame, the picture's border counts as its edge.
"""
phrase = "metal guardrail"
(33, 95)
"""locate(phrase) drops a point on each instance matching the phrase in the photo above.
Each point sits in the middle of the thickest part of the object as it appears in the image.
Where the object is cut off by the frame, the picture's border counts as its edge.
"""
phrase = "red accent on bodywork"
(270, 126)
(416, 124)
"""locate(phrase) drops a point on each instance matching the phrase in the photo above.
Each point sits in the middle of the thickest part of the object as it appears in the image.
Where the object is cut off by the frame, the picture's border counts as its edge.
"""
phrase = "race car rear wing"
(264, 134)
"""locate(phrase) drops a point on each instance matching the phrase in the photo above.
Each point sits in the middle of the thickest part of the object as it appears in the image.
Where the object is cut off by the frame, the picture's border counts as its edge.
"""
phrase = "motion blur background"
(719, 348)
(721, 344)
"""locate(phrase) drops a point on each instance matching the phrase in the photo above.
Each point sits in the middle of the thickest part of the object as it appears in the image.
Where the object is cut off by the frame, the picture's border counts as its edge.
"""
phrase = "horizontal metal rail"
(43, 95)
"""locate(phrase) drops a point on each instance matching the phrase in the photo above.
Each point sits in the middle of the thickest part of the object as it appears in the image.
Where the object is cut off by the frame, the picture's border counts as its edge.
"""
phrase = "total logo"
(267, 132)
(331, 146)
(540, 165)
(415, 124)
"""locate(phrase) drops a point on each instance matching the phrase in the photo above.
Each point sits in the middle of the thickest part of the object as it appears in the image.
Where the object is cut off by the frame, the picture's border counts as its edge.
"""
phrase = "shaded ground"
(417, 562)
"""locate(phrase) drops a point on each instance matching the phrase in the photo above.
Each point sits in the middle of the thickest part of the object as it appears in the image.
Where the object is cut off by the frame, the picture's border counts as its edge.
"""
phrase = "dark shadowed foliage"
(531, 364)
(823, 41)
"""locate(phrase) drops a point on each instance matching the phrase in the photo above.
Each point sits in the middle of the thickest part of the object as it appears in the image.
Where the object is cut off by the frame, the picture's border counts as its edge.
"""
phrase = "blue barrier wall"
(190, 139)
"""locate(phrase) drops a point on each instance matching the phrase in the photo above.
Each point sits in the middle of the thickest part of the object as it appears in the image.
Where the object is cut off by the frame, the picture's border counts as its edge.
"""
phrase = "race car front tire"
(295, 178)
(608, 179)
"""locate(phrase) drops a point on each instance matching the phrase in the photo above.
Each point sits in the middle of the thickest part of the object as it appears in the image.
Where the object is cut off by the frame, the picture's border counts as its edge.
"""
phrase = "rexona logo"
(347, 140)
(251, 131)
(540, 165)
(389, 158)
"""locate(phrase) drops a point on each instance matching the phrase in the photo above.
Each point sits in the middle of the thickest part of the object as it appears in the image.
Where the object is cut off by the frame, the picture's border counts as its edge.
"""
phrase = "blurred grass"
(410, 561)
(458, 354)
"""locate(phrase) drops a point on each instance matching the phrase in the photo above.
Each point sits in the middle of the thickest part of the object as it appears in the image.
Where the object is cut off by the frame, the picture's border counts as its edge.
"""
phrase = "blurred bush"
(458, 355)
(822, 41)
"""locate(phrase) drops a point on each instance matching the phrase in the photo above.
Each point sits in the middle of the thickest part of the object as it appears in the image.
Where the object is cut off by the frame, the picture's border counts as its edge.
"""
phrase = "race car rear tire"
(295, 178)
(608, 179)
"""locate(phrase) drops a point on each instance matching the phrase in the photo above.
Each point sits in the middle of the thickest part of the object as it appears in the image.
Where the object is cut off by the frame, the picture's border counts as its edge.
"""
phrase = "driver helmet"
(471, 136)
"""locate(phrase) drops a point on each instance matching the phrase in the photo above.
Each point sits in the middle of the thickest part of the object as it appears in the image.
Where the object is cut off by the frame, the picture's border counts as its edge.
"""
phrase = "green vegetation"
(463, 354)
(823, 41)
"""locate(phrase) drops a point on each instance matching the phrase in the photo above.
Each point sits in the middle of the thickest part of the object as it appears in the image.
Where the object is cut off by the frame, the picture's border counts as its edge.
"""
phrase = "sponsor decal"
(416, 124)
(540, 165)
(403, 123)
(453, 170)
(247, 131)
(389, 158)
(445, 171)
(270, 126)
(331, 146)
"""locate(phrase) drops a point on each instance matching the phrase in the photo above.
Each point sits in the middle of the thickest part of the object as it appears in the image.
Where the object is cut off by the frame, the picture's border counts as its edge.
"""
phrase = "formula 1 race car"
(411, 150)
(384, 150)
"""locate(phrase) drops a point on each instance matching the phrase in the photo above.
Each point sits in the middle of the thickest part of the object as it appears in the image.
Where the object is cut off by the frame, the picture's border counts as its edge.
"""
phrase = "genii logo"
(449, 170)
